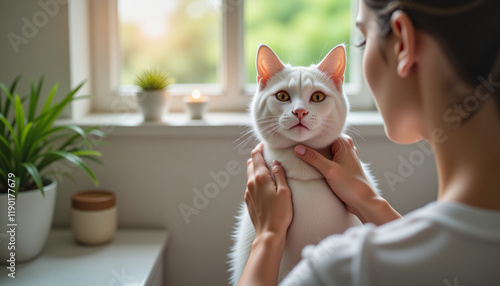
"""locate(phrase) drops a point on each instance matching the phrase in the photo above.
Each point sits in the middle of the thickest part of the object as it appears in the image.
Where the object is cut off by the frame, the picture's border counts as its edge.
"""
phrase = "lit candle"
(196, 104)
(196, 96)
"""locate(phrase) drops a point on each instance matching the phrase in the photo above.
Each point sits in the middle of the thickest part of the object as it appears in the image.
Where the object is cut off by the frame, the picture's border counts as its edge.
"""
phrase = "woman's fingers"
(250, 171)
(259, 164)
(268, 201)
(280, 177)
(315, 159)
(346, 154)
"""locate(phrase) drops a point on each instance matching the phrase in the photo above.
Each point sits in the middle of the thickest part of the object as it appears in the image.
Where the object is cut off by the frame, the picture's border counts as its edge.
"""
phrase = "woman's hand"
(269, 201)
(269, 204)
(346, 178)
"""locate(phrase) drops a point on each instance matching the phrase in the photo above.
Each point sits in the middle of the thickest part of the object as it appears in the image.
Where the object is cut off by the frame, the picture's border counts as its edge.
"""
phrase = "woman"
(434, 70)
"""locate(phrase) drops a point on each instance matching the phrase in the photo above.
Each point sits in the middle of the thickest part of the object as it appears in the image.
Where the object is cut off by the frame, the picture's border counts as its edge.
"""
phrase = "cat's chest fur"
(295, 168)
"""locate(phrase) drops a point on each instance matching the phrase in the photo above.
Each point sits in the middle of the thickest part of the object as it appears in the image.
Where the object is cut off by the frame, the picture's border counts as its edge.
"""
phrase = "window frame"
(233, 94)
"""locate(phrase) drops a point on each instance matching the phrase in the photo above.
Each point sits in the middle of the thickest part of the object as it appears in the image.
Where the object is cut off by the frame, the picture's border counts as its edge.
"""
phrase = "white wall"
(153, 175)
(34, 43)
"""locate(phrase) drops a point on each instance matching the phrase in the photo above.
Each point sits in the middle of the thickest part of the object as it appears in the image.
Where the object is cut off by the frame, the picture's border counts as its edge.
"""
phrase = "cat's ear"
(334, 64)
(268, 64)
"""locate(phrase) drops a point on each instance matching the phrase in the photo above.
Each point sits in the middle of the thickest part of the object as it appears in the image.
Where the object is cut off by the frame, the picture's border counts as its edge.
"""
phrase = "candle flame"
(196, 94)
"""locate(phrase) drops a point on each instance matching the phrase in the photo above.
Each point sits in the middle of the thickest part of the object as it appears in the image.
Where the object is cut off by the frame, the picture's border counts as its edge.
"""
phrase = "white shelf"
(133, 257)
(222, 124)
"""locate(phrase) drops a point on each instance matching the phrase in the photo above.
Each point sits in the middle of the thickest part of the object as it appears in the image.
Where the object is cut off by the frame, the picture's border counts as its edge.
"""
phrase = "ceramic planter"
(33, 216)
(152, 104)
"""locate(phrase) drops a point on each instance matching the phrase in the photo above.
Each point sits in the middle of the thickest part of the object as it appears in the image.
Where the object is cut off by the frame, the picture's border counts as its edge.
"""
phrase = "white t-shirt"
(445, 244)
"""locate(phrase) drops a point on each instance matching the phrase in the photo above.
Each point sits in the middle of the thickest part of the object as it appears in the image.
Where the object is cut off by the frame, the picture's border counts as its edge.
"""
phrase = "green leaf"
(61, 173)
(8, 93)
(55, 111)
(5, 146)
(18, 107)
(6, 109)
(50, 98)
(35, 94)
(94, 130)
(86, 153)
(77, 129)
(75, 160)
(1, 100)
(35, 175)
(14, 84)
(26, 130)
(72, 139)
(10, 129)
(94, 159)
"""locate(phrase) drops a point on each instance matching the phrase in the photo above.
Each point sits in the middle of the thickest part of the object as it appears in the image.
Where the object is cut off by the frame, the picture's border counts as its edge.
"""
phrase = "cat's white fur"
(317, 211)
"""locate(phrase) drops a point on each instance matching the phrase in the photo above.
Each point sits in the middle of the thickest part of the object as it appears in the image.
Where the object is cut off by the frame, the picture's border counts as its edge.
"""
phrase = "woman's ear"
(404, 47)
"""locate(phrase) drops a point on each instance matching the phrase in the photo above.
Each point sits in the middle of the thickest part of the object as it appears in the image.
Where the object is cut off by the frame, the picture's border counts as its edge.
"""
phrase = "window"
(301, 32)
(211, 44)
(182, 37)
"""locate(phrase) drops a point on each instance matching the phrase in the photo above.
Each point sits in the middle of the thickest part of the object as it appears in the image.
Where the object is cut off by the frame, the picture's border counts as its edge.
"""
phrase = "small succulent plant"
(153, 79)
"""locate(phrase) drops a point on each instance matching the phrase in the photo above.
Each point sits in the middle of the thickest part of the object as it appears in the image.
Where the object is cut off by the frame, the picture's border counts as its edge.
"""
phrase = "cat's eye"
(283, 96)
(318, 97)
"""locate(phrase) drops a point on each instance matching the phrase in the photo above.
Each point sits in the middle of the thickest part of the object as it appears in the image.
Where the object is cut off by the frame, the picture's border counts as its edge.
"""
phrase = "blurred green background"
(300, 32)
(184, 37)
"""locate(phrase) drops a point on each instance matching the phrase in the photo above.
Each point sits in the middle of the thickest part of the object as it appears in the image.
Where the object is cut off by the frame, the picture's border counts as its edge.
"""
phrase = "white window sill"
(222, 124)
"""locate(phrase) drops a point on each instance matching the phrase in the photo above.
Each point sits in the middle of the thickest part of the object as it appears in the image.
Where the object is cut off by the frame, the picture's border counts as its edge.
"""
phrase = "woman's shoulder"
(436, 242)
(439, 217)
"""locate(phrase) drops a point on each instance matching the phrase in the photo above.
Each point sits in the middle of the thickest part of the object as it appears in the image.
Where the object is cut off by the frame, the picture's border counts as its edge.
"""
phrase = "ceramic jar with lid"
(93, 216)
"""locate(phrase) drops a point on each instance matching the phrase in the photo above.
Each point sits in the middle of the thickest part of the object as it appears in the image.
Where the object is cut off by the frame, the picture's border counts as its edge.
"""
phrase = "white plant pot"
(33, 216)
(152, 104)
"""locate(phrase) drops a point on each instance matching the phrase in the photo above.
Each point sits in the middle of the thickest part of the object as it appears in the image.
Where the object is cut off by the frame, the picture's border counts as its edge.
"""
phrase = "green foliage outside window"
(301, 32)
(187, 35)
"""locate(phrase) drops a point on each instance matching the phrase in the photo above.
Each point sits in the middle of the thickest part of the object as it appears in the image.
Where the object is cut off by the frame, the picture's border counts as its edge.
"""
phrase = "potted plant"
(32, 149)
(153, 96)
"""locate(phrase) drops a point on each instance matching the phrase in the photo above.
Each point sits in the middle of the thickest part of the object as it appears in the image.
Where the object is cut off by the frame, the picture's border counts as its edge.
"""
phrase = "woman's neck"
(468, 159)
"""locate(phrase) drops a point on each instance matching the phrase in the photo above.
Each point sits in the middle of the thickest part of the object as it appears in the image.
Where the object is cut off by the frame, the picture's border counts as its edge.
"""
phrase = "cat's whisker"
(329, 130)
(246, 142)
(333, 125)
(268, 116)
(355, 134)
(266, 130)
(268, 126)
(250, 136)
(277, 131)
(336, 123)
(333, 119)
(274, 128)
(267, 121)
(244, 137)
(272, 132)
(355, 131)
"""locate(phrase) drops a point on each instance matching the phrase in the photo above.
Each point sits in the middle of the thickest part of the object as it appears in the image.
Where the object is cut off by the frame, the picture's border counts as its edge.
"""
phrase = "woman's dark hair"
(467, 30)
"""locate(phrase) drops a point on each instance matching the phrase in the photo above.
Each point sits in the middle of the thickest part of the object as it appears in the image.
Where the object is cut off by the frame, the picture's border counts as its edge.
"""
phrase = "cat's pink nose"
(300, 113)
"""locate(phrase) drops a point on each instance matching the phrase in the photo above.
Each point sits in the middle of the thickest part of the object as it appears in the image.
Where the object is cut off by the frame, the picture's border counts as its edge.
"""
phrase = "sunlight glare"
(150, 15)
(195, 9)
(154, 27)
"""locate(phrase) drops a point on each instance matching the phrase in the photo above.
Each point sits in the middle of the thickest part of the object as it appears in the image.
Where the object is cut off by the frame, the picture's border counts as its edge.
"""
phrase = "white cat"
(294, 105)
